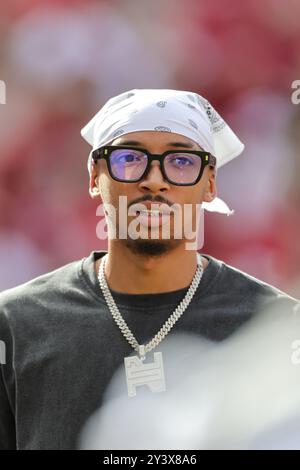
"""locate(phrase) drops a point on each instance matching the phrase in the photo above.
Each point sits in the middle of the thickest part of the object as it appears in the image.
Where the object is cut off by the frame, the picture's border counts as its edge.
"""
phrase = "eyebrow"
(171, 144)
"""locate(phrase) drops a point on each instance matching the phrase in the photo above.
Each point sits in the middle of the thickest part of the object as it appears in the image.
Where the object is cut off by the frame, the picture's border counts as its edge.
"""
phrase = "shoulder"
(242, 287)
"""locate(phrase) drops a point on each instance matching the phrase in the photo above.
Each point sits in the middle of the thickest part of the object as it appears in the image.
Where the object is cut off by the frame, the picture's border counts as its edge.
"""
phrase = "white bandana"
(181, 112)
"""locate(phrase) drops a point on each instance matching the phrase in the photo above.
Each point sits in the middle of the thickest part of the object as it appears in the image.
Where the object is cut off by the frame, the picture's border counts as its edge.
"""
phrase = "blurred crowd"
(61, 60)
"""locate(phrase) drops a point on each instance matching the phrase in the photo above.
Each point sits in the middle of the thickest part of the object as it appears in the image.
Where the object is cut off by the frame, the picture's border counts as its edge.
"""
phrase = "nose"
(154, 181)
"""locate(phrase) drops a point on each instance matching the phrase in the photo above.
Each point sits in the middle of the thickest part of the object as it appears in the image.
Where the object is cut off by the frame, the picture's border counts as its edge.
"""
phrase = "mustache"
(145, 198)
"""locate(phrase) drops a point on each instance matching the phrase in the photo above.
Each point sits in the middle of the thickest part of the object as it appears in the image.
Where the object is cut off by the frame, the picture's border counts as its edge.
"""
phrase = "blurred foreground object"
(242, 393)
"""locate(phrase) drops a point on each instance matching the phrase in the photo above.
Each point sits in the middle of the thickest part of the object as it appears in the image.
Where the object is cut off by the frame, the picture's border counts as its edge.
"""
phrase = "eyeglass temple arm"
(212, 160)
(97, 154)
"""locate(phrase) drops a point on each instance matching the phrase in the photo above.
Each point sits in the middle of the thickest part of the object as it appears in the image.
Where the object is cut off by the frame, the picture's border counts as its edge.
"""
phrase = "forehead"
(168, 139)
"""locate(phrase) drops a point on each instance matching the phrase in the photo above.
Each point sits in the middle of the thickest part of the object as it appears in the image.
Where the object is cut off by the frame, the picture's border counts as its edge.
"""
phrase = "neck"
(132, 273)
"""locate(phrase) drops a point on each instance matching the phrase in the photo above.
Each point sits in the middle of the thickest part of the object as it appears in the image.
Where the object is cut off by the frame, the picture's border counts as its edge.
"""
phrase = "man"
(67, 332)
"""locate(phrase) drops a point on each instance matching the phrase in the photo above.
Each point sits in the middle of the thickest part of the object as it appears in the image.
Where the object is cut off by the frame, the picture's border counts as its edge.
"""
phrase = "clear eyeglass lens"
(182, 167)
(127, 164)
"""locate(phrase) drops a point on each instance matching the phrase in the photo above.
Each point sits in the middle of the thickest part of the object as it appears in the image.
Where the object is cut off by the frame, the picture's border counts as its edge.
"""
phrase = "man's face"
(153, 187)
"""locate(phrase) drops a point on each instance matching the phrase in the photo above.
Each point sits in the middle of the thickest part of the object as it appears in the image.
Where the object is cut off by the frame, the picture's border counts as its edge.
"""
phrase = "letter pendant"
(150, 374)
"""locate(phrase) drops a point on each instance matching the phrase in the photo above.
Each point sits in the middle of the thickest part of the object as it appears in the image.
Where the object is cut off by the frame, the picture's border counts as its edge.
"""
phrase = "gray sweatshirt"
(62, 345)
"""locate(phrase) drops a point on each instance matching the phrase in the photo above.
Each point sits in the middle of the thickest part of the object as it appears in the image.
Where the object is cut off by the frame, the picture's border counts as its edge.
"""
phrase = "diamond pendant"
(150, 374)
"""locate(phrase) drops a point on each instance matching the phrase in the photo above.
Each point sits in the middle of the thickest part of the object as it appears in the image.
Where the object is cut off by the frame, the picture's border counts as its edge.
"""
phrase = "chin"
(148, 247)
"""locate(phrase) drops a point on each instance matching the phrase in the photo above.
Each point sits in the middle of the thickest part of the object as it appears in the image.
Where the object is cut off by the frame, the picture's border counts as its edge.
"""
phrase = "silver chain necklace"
(138, 372)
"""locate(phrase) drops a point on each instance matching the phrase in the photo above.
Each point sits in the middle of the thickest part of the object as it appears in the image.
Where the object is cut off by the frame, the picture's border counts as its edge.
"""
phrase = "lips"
(152, 213)
(150, 208)
(152, 218)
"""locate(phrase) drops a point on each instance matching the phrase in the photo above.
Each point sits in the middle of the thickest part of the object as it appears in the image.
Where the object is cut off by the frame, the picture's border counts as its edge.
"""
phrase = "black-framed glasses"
(129, 164)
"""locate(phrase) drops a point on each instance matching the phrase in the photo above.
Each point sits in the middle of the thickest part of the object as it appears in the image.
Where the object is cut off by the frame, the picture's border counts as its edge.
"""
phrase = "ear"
(93, 182)
(210, 191)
